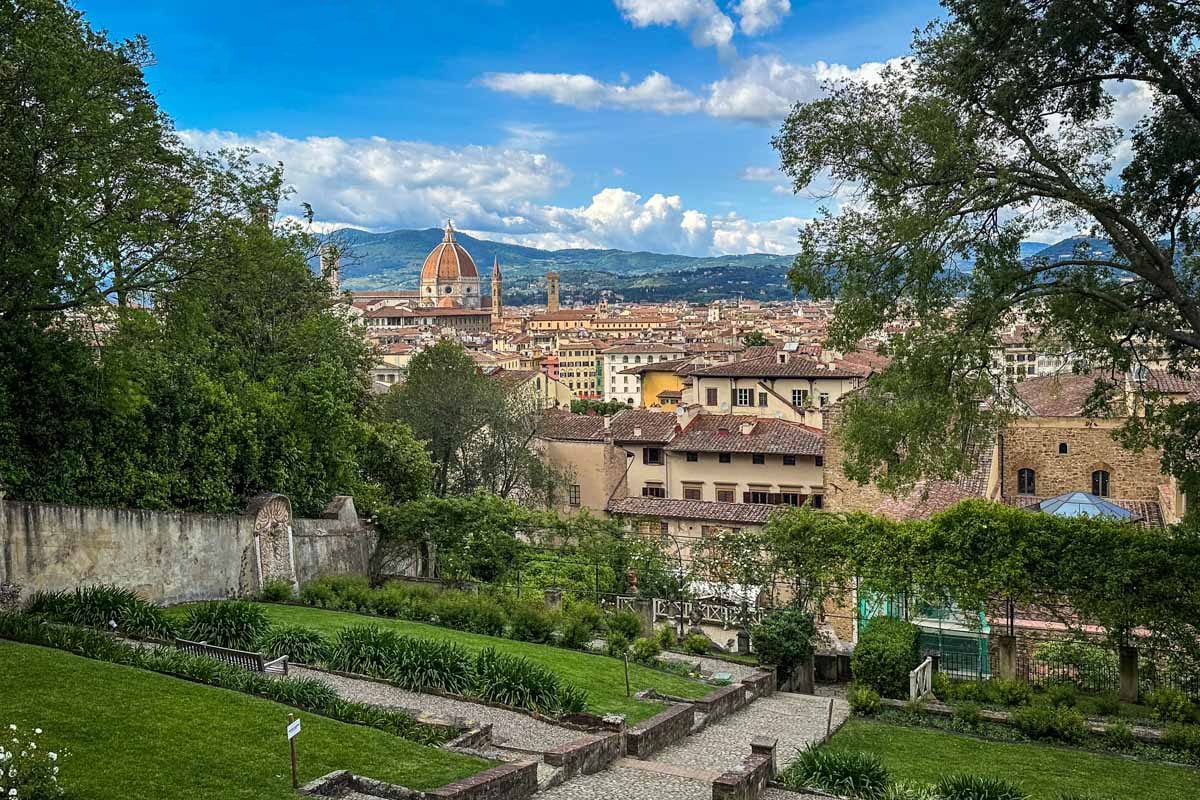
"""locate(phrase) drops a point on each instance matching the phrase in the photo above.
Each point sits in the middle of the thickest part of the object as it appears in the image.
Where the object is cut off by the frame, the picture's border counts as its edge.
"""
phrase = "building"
(775, 383)
(449, 278)
(551, 292)
(582, 447)
(625, 387)
(541, 391)
(578, 367)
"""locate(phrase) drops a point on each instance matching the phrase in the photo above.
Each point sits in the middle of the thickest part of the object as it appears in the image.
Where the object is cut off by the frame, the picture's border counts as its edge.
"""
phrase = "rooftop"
(643, 425)
(723, 433)
(701, 510)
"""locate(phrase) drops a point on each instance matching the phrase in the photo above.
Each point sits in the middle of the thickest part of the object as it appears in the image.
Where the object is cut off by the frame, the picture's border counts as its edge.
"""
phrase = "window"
(652, 455)
(710, 397)
(1026, 481)
(725, 494)
(1062, 448)
(1100, 483)
(758, 458)
(743, 397)
(723, 458)
(693, 491)
(762, 399)
(819, 461)
(664, 528)
(823, 399)
(654, 490)
(789, 461)
(818, 501)
(800, 398)
(693, 456)
(573, 494)
(791, 499)
(759, 496)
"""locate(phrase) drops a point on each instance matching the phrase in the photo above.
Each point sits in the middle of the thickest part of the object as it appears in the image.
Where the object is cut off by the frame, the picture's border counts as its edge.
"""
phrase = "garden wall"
(168, 557)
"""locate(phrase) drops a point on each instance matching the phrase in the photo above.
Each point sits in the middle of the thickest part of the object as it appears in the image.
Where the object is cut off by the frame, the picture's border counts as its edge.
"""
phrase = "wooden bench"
(256, 662)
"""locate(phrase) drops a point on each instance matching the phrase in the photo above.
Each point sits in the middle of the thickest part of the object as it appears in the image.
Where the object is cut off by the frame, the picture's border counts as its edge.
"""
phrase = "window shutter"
(775, 498)
(745, 497)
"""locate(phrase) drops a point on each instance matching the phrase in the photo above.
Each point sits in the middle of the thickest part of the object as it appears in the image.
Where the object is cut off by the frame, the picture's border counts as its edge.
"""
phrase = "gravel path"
(624, 783)
(710, 665)
(509, 729)
(793, 719)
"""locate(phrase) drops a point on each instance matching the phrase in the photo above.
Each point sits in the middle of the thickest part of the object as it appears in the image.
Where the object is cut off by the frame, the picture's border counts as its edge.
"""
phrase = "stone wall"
(505, 782)
(586, 756)
(724, 701)
(1034, 443)
(168, 557)
(665, 728)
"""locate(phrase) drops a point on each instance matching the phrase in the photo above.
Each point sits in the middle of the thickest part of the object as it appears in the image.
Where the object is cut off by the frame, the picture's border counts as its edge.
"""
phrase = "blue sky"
(641, 124)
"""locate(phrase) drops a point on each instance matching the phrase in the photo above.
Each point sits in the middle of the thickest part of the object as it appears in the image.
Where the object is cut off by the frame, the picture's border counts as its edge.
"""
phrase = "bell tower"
(551, 292)
(497, 292)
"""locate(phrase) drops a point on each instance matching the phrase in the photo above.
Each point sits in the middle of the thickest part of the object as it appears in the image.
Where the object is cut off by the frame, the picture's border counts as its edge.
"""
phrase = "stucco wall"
(167, 557)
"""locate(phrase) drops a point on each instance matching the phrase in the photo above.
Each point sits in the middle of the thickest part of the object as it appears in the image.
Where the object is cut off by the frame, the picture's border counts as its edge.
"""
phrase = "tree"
(392, 459)
(478, 431)
(1009, 119)
(755, 339)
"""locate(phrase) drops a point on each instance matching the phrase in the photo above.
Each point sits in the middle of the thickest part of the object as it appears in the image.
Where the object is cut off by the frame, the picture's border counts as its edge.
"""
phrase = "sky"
(634, 124)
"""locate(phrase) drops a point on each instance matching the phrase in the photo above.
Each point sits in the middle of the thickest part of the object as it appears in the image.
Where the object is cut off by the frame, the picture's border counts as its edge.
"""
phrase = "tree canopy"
(1012, 118)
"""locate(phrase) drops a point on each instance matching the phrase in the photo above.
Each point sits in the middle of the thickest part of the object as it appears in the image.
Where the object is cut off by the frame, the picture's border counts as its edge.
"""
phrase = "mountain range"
(393, 260)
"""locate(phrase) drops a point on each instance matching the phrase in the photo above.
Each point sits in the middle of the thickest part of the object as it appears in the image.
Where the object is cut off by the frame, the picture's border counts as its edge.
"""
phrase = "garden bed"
(139, 735)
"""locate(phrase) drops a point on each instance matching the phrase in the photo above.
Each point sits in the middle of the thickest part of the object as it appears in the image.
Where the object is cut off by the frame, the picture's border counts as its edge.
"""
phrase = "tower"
(331, 266)
(551, 292)
(497, 292)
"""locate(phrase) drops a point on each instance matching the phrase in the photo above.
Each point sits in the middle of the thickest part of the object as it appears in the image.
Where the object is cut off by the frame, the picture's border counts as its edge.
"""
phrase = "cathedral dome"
(449, 261)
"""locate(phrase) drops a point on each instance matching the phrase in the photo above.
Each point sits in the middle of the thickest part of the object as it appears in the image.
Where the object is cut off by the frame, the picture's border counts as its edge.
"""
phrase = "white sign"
(293, 728)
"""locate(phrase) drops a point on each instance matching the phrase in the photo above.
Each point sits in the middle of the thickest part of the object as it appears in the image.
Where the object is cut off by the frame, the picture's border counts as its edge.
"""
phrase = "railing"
(723, 614)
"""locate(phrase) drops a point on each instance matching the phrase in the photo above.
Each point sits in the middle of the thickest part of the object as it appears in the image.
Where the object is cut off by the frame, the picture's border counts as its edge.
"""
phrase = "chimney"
(637, 433)
(747, 428)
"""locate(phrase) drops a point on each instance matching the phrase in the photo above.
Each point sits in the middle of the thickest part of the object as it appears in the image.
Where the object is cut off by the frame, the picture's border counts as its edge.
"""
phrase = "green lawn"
(602, 677)
(1043, 771)
(138, 735)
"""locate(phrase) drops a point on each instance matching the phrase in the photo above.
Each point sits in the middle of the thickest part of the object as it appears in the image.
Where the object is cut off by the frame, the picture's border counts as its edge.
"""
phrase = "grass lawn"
(139, 735)
(602, 677)
(1043, 771)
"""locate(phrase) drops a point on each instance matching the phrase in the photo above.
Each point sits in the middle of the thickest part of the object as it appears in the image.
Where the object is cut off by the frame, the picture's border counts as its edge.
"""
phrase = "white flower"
(54, 756)
(37, 731)
(12, 792)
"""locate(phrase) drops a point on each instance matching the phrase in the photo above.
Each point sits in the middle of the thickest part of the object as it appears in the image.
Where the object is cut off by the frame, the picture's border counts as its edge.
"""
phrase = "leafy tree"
(785, 638)
(478, 432)
(604, 408)
(1006, 122)
(395, 461)
(755, 339)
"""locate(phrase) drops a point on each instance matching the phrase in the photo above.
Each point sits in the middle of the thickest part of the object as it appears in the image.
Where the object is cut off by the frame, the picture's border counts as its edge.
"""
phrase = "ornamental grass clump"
(301, 645)
(515, 681)
(842, 772)
(104, 607)
(27, 771)
(977, 787)
(235, 624)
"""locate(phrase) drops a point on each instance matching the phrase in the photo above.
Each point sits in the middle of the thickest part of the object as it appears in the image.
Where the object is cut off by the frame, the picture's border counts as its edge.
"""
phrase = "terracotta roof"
(1161, 380)
(564, 425)
(655, 366)
(768, 435)
(1149, 512)
(702, 510)
(930, 497)
(656, 427)
(670, 394)
(642, 347)
(511, 379)
(449, 261)
(1056, 395)
(769, 367)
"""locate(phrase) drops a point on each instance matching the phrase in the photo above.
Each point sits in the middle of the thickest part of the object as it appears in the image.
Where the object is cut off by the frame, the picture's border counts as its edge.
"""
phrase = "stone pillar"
(743, 642)
(554, 599)
(765, 746)
(1129, 674)
(803, 679)
(644, 608)
(1006, 657)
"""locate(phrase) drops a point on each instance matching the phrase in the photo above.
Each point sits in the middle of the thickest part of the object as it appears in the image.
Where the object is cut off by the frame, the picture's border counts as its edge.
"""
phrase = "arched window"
(1062, 448)
(1026, 481)
(1100, 483)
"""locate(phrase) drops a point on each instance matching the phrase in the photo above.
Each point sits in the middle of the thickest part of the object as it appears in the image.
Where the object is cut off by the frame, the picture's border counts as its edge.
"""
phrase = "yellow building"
(661, 382)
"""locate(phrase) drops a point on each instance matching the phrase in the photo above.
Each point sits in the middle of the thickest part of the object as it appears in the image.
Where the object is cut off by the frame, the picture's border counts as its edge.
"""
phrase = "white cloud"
(497, 192)
(759, 16)
(702, 19)
(763, 89)
(761, 174)
(656, 92)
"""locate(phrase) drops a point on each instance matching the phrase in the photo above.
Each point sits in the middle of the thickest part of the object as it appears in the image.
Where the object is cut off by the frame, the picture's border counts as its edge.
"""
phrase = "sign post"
(293, 728)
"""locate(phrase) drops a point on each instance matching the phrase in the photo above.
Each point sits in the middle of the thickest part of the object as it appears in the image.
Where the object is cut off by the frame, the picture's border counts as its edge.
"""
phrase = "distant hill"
(393, 260)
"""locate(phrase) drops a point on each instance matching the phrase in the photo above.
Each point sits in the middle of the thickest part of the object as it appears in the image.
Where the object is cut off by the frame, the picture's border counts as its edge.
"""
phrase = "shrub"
(786, 639)
(863, 700)
(943, 687)
(697, 644)
(626, 623)
(977, 787)
(1090, 664)
(276, 591)
(531, 622)
(887, 650)
(666, 637)
(101, 606)
(1040, 721)
(1008, 692)
(1184, 738)
(318, 594)
(226, 623)
(1170, 705)
(616, 645)
(645, 650)
(966, 714)
(518, 682)
(299, 644)
(969, 692)
(1102, 705)
(841, 772)
(340, 592)
(365, 649)
(464, 611)
(30, 772)
(1119, 734)
(581, 622)
(1061, 693)
(423, 664)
